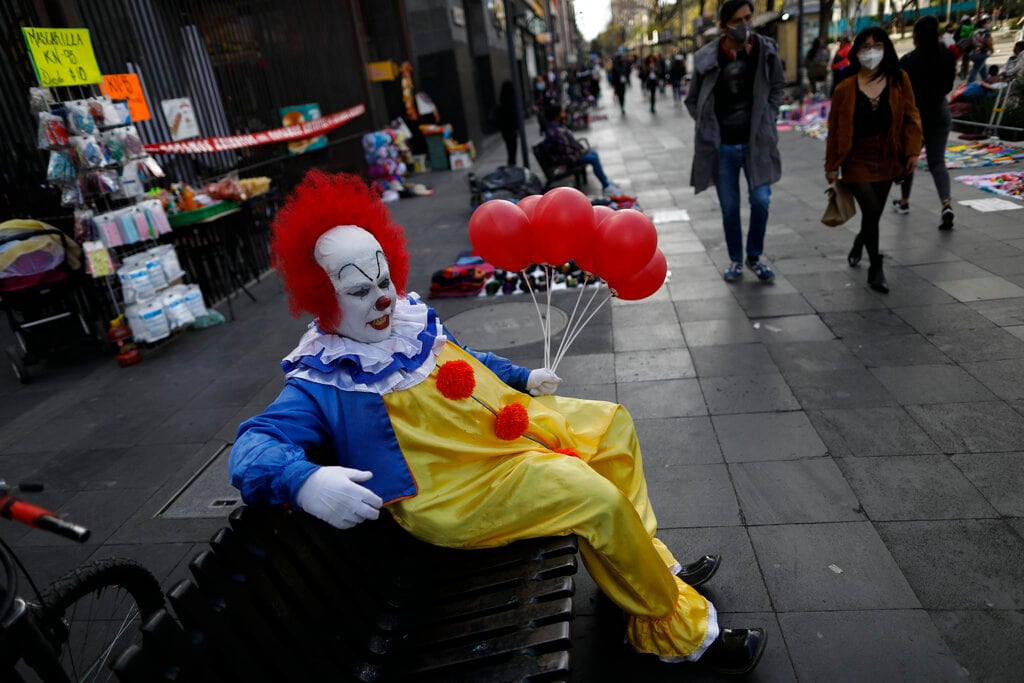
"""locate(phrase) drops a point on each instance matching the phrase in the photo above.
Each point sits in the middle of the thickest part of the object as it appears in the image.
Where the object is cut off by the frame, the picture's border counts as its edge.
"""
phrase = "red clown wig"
(320, 202)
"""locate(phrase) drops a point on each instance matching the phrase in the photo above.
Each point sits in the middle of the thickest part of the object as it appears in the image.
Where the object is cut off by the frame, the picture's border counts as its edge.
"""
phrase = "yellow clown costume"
(462, 457)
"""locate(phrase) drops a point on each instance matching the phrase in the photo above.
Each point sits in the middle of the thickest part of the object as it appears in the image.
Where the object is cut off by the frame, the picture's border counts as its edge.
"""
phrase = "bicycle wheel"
(96, 611)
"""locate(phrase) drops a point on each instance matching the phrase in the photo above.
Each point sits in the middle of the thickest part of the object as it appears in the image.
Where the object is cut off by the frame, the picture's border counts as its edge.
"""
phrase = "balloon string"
(578, 330)
(572, 317)
(540, 317)
(548, 273)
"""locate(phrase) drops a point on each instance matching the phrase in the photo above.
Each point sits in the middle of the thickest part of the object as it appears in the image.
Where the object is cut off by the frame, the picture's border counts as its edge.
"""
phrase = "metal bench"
(280, 595)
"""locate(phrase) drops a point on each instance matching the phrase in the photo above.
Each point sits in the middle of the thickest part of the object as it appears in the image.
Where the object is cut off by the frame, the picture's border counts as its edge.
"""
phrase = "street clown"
(463, 449)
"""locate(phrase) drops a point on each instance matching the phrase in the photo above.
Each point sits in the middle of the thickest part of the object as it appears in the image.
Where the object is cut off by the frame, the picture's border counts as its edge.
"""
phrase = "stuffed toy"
(463, 449)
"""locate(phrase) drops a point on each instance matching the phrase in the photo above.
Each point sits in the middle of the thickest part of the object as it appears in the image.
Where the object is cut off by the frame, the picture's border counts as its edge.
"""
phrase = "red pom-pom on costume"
(569, 452)
(455, 380)
(512, 422)
(321, 202)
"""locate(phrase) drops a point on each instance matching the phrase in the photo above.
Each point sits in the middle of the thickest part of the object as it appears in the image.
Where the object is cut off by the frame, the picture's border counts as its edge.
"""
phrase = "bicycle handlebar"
(40, 518)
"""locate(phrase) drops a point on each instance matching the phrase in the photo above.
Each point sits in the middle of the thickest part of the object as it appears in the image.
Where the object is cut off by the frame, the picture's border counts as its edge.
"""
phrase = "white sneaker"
(612, 190)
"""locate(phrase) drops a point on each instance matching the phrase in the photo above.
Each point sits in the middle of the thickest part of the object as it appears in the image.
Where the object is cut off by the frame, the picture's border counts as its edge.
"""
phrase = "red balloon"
(601, 212)
(562, 223)
(500, 233)
(585, 256)
(625, 243)
(529, 204)
(644, 283)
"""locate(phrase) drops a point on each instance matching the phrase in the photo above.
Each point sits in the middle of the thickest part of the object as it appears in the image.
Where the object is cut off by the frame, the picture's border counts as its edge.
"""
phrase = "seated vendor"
(463, 449)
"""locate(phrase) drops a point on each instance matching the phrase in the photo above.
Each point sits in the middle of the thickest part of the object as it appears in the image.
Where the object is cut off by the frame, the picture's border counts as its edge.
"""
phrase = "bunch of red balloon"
(561, 225)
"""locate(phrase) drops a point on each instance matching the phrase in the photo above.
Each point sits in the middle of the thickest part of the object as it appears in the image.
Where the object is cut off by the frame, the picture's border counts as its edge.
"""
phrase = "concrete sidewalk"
(857, 458)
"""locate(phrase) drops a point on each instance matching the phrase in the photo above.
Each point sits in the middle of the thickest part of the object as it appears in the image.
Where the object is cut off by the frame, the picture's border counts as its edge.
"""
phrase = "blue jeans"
(978, 68)
(731, 158)
(590, 157)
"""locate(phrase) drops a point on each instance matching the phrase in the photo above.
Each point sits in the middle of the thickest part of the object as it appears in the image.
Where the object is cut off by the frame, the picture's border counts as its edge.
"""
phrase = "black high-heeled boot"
(876, 277)
(853, 258)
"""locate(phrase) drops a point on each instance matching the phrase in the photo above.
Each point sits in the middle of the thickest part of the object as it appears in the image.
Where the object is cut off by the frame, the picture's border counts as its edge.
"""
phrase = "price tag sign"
(127, 87)
(62, 56)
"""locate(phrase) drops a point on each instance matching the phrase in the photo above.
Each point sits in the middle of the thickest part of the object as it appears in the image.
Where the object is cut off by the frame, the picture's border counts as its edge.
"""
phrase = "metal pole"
(551, 39)
(800, 48)
(517, 88)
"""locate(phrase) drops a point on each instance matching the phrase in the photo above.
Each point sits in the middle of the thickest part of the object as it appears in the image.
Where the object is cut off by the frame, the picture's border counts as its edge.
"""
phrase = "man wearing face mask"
(463, 449)
(735, 98)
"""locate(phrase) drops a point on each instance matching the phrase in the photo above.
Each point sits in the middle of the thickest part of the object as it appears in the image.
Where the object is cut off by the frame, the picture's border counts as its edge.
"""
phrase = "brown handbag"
(841, 206)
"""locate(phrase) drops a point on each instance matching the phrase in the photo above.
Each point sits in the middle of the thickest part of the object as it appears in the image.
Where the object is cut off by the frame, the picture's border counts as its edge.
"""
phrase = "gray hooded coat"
(763, 162)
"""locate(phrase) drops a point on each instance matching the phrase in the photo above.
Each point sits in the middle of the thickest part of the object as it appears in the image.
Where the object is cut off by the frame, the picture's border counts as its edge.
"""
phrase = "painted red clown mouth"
(380, 323)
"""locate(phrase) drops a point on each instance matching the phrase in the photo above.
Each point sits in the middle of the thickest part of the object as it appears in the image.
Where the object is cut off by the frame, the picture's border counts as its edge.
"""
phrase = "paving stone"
(857, 297)
(999, 477)
(737, 585)
(920, 255)
(717, 332)
(913, 487)
(846, 388)
(705, 289)
(640, 313)
(585, 368)
(800, 562)
(979, 641)
(728, 360)
(694, 495)
(708, 309)
(951, 270)
(103, 512)
(767, 436)
(775, 306)
(934, 556)
(989, 426)
(650, 337)
(748, 394)
(920, 384)
(1002, 312)
(942, 318)
(792, 328)
(825, 281)
(188, 426)
(859, 646)
(975, 289)
(992, 343)
(1004, 377)
(916, 295)
(813, 356)
(903, 349)
(794, 491)
(875, 322)
(668, 398)
(671, 441)
(641, 366)
(885, 430)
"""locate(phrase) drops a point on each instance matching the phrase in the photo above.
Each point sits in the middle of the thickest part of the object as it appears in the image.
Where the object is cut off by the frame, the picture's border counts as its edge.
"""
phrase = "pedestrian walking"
(874, 137)
(817, 61)
(676, 74)
(981, 41)
(652, 78)
(734, 99)
(932, 70)
(508, 120)
(841, 62)
(620, 79)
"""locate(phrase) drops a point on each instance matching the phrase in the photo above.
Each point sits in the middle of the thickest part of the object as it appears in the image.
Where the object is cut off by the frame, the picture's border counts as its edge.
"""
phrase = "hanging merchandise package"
(155, 270)
(136, 280)
(80, 121)
(52, 132)
(97, 259)
(168, 261)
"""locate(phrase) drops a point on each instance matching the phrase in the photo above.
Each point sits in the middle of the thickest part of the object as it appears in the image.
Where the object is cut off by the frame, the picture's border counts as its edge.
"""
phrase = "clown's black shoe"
(699, 572)
(735, 651)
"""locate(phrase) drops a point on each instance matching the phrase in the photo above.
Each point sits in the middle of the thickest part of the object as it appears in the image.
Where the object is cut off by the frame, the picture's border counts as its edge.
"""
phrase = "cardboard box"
(460, 160)
(419, 163)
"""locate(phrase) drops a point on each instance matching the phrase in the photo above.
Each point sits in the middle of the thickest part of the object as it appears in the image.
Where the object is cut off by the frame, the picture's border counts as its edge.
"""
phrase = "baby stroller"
(39, 285)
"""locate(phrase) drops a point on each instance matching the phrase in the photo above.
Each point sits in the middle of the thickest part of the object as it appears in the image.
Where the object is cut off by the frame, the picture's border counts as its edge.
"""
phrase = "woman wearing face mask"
(874, 137)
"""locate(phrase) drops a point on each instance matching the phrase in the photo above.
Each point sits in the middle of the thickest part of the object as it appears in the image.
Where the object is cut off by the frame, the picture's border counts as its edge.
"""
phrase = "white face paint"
(355, 262)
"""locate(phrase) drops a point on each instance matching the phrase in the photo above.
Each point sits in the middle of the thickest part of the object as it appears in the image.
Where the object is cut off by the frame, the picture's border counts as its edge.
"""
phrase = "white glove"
(542, 382)
(333, 495)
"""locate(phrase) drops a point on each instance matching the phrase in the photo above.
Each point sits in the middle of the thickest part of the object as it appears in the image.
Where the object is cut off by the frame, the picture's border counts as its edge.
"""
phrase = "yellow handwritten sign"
(382, 71)
(62, 56)
(127, 87)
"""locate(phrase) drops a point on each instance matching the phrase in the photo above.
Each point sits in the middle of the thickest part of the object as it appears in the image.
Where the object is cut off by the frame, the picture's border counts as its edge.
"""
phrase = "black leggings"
(510, 136)
(871, 198)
